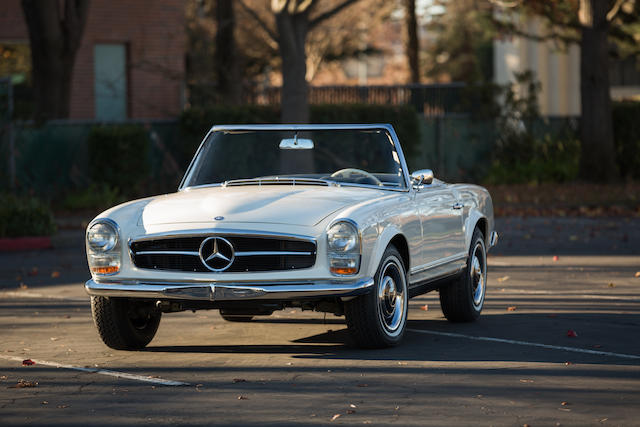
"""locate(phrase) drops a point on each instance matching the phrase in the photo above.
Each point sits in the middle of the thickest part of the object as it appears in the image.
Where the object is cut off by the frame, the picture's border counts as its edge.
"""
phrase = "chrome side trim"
(494, 239)
(438, 263)
(230, 291)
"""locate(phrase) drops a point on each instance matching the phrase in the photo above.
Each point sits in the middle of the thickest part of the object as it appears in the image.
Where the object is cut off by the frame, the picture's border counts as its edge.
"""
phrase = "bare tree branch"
(259, 20)
(329, 13)
(611, 15)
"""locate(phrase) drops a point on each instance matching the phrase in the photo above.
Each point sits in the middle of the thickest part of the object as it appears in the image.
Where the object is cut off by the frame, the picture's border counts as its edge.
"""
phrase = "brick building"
(131, 60)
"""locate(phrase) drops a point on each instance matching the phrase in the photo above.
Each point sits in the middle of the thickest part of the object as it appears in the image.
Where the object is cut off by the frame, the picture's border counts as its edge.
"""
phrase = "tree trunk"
(226, 58)
(412, 40)
(292, 37)
(54, 43)
(597, 162)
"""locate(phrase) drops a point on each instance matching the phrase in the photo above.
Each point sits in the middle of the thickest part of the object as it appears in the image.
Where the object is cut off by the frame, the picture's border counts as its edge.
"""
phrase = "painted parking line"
(116, 374)
(528, 344)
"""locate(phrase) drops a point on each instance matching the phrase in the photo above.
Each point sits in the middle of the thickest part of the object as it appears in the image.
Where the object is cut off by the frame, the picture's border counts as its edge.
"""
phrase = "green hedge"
(24, 217)
(119, 157)
(626, 130)
(195, 122)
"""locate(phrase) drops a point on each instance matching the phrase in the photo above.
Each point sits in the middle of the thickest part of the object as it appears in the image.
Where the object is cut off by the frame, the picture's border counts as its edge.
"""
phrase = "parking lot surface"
(557, 344)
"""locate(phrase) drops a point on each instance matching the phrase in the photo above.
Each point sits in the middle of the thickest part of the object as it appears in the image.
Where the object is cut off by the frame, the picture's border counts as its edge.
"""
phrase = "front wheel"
(463, 299)
(379, 318)
(123, 323)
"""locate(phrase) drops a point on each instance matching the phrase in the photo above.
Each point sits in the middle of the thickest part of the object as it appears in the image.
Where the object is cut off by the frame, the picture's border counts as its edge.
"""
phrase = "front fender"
(378, 247)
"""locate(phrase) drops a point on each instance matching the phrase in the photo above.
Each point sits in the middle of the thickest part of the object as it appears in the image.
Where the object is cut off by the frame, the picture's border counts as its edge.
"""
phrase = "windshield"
(350, 156)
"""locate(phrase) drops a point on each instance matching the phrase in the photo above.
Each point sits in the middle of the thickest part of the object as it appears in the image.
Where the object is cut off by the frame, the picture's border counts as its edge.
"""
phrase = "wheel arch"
(394, 236)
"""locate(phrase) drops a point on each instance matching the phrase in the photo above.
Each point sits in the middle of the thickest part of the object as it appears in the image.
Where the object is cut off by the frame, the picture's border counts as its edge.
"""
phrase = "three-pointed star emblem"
(216, 253)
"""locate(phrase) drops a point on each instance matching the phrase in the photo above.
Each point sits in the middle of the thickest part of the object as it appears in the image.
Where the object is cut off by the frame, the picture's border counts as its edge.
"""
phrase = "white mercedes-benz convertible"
(321, 217)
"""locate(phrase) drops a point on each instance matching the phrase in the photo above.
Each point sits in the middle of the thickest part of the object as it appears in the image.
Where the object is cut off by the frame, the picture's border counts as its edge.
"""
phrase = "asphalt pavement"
(557, 344)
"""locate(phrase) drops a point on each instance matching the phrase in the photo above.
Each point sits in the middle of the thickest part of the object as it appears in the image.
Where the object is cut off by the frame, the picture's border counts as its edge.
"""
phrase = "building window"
(110, 81)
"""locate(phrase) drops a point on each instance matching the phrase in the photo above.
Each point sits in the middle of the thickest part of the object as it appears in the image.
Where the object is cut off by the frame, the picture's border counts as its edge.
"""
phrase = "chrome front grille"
(248, 253)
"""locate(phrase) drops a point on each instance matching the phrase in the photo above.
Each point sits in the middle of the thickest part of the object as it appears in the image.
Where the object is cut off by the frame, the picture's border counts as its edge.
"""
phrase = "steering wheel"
(360, 176)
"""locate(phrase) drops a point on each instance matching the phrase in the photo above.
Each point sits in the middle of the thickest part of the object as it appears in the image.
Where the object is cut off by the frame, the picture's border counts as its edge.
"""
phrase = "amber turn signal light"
(105, 270)
(344, 270)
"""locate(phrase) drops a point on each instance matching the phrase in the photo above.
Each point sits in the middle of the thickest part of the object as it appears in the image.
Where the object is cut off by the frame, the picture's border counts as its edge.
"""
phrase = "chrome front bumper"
(228, 291)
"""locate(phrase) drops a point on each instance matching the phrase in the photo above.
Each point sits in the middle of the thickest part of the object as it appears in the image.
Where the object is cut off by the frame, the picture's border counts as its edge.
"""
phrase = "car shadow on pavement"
(598, 332)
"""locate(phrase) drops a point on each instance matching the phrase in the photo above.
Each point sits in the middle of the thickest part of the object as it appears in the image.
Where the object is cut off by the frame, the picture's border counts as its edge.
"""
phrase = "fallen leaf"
(239, 380)
(352, 406)
(424, 307)
(503, 279)
(54, 338)
(28, 362)
(526, 381)
(44, 402)
(511, 308)
(612, 285)
(564, 403)
(571, 333)
(556, 258)
(335, 417)
(24, 384)
(241, 397)
(568, 363)
(55, 274)
(637, 273)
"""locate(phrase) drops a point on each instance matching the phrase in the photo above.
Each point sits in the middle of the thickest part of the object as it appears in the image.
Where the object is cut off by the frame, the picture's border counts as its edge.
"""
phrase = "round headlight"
(342, 237)
(102, 237)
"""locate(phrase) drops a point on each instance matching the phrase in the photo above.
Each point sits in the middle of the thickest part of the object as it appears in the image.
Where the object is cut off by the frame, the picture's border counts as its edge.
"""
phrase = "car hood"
(281, 204)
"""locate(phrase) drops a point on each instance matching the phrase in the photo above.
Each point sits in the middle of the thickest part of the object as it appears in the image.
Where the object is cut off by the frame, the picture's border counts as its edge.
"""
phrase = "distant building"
(557, 70)
(130, 63)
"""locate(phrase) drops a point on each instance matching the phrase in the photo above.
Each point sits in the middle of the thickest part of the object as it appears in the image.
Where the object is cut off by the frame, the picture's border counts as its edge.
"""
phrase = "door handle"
(458, 205)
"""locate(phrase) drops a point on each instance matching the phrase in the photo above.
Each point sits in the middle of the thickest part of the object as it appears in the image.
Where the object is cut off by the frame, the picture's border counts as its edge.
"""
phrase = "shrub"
(626, 130)
(95, 197)
(24, 217)
(119, 157)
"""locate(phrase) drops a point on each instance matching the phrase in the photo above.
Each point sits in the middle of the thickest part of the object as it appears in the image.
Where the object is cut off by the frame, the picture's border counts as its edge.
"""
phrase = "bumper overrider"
(226, 291)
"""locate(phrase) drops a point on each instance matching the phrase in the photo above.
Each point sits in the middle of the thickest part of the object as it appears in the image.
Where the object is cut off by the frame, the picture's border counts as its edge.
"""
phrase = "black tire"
(123, 323)
(379, 318)
(462, 300)
(230, 316)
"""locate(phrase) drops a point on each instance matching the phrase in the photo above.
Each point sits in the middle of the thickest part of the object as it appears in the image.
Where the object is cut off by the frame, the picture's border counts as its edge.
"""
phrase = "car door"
(440, 213)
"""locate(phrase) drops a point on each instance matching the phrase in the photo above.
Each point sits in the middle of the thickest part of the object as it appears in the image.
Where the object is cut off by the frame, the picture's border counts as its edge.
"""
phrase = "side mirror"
(422, 177)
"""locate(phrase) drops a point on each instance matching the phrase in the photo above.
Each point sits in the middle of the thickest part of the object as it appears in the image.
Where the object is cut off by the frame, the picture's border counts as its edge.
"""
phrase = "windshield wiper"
(275, 180)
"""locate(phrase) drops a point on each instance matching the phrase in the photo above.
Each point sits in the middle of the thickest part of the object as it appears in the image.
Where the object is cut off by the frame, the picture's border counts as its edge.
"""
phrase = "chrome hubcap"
(391, 298)
(478, 275)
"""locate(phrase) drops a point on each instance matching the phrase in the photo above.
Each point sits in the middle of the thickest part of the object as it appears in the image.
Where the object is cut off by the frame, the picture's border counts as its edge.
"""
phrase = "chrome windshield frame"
(308, 127)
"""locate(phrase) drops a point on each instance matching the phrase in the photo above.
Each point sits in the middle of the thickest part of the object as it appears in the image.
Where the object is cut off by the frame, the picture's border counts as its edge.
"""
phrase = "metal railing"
(427, 99)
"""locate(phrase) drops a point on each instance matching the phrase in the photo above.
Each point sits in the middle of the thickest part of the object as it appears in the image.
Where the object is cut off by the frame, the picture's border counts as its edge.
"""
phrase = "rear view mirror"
(296, 144)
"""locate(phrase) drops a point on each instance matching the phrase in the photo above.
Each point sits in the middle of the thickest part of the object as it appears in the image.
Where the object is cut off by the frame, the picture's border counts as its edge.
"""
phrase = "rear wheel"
(463, 299)
(123, 323)
(379, 318)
